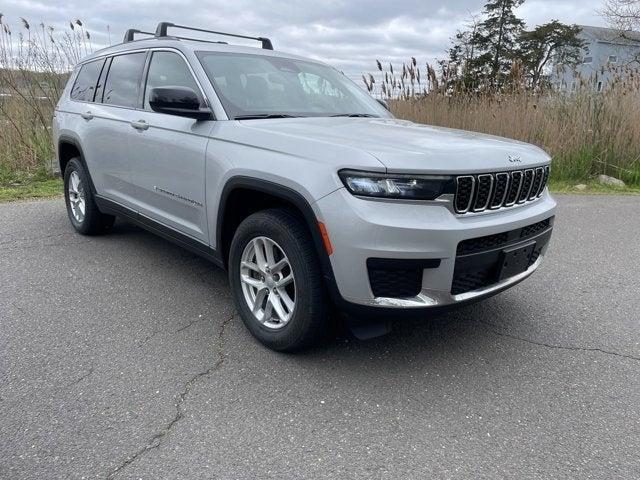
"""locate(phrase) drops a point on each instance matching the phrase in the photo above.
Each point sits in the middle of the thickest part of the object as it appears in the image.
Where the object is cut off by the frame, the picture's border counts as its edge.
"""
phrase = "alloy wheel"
(76, 197)
(268, 283)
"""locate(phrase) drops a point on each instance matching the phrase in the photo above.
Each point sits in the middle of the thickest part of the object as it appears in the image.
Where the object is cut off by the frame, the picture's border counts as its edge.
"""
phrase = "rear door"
(117, 100)
(168, 153)
(79, 112)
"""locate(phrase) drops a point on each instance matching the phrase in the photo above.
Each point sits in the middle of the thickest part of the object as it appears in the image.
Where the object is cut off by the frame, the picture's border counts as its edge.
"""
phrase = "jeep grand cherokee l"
(306, 189)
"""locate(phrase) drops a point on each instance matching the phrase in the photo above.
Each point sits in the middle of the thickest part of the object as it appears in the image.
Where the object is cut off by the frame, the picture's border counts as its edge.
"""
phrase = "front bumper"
(362, 229)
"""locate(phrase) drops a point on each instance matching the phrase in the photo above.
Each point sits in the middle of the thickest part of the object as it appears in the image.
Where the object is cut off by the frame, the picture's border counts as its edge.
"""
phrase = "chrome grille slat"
(492, 191)
(527, 183)
(537, 181)
(501, 185)
(545, 179)
(464, 183)
(484, 187)
(514, 188)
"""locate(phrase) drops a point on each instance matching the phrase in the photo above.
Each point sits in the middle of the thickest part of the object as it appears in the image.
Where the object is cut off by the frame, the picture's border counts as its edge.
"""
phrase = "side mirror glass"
(180, 101)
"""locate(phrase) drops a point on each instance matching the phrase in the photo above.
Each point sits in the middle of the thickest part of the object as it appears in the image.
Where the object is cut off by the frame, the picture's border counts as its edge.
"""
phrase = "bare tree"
(622, 14)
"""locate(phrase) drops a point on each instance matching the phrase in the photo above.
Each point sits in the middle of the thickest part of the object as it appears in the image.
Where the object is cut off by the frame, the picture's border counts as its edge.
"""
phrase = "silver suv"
(306, 189)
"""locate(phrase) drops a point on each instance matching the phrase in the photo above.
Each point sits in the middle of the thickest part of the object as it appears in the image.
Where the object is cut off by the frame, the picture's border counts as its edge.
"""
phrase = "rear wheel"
(277, 282)
(81, 207)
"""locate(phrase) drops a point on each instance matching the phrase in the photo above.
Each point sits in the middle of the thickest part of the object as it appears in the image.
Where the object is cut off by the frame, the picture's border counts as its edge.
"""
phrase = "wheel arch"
(270, 194)
(70, 147)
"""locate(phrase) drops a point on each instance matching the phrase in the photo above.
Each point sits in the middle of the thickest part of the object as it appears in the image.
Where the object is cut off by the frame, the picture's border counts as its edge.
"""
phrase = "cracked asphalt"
(121, 357)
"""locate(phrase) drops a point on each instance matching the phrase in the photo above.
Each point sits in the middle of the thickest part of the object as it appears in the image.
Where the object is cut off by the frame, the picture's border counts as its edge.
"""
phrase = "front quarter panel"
(309, 168)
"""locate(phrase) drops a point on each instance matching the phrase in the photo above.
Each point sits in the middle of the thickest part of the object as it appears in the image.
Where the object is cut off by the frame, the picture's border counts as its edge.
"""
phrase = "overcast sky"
(349, 34)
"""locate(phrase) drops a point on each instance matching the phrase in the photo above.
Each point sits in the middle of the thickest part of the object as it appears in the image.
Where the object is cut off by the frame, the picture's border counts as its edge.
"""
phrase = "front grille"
(534, 229)
(527, 183)
(483, 192)
(483, 276)
(478, 259)
(397, 278)
(514, 188)
(500, 191)
(491, 191)
(465, 186)
(488, 242)
(537, 181)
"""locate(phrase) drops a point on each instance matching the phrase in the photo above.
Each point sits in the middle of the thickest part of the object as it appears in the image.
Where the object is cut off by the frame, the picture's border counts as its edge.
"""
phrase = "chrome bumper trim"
(433, 298)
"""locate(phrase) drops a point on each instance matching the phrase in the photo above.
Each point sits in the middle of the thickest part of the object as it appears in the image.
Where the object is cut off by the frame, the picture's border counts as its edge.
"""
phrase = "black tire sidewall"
(305, 326)
(74, 166)
(94, 221)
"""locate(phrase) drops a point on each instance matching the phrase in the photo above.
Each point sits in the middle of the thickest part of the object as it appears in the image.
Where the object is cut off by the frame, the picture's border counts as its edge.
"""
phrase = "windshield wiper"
(264, 115)
(355, 115)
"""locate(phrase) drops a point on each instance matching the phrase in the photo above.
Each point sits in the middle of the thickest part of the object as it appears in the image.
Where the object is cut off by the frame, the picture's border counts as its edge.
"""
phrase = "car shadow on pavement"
(469, 329)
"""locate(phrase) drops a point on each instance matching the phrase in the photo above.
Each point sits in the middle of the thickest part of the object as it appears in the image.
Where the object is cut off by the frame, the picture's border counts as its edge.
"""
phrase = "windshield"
(256, 86)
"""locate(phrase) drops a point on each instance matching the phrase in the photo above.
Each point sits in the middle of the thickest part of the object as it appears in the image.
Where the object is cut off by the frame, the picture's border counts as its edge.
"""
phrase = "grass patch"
(31, 189)
(593, 188)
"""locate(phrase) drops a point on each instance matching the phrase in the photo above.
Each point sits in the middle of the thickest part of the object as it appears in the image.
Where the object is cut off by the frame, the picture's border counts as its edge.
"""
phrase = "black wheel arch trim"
(72, 140)
(297, 200)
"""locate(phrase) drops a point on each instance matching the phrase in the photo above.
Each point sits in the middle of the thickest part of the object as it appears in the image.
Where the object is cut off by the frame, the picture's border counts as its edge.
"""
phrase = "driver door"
(168, 172)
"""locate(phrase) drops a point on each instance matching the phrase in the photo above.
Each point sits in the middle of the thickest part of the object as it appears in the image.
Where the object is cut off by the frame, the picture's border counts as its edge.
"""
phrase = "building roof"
(612, 35)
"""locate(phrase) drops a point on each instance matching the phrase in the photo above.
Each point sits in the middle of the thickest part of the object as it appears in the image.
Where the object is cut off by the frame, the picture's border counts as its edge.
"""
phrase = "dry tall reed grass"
(34, 65)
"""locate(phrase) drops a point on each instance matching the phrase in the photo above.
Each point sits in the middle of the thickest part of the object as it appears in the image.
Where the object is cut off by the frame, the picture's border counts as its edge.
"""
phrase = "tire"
(83, 212)
(291, 244)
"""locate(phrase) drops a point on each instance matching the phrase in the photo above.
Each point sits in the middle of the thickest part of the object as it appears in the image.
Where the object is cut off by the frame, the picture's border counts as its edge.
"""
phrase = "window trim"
(109, 58)
(105, 70)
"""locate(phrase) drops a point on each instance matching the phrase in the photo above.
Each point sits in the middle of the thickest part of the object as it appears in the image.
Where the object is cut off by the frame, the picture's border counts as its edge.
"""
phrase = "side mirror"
(383, 103)
(180, 101)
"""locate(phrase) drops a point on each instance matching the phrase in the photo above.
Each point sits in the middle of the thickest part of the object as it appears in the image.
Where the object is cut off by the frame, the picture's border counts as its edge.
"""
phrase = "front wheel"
(276, 280)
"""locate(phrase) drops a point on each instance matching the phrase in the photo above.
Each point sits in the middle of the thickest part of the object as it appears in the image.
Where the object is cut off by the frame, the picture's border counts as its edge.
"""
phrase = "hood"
(406, 147)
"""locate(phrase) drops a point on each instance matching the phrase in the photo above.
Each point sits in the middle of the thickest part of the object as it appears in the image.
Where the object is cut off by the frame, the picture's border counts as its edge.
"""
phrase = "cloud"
(349, 34)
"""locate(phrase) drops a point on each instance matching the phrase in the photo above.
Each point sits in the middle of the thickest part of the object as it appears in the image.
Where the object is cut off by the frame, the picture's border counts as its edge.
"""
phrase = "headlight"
(407, 187)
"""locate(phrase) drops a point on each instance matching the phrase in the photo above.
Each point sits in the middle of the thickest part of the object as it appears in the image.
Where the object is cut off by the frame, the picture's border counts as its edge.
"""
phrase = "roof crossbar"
(161, 31)
(129, 34)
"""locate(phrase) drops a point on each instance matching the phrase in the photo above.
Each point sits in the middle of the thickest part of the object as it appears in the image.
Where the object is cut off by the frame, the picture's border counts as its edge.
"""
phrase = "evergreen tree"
(484, 54)
(552, 42)
(497, 39)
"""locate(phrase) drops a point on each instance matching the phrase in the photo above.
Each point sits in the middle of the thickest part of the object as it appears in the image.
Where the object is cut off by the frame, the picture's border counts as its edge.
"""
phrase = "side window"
(123, 80)
(168, 69)
(85, 84)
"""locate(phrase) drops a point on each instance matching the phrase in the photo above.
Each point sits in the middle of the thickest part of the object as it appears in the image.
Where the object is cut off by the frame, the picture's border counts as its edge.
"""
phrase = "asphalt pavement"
(122, 357)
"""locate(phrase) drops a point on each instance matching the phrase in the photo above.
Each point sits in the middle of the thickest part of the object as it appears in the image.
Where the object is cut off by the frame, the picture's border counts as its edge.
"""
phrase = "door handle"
(140, 125)
(87, 115)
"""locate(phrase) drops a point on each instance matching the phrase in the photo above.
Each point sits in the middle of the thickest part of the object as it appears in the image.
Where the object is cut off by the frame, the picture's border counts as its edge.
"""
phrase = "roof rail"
(161, 31)
(129, 35)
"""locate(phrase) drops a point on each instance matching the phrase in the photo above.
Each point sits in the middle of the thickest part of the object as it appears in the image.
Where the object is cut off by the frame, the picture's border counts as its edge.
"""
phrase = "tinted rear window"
(85, 84)
(123, 81)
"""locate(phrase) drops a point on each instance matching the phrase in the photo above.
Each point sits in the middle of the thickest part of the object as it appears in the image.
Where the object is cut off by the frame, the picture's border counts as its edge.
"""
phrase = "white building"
(607, 52)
